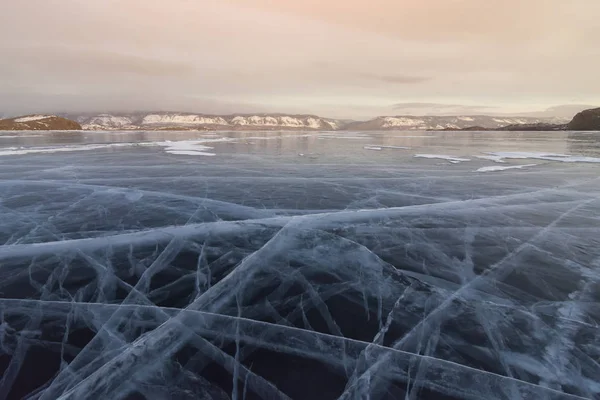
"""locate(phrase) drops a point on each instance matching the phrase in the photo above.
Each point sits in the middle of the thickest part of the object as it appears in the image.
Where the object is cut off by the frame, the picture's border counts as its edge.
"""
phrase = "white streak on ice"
(496, 272)
(543, 156)
(414, 137)
(498, 168)
(182, 147)
(321, 220)
(191, 147)
(380, 147)
(271, 137)
(17, 136)
(346, 136)
(294, 340)
(16, 151)
(452, 159)
(192, 153)
(396, 147)
(497, 159)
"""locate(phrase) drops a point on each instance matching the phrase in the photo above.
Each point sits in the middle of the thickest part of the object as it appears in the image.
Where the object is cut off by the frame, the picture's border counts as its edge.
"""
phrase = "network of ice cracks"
(119, 287)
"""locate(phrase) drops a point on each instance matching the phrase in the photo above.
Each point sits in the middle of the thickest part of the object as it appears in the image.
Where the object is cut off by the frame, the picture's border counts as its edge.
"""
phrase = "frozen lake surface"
(319, 265)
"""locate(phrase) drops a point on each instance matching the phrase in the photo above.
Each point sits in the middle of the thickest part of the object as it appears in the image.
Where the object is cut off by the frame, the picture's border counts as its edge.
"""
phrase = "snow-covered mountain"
(190, 121)
(446, 122)
(159, 121)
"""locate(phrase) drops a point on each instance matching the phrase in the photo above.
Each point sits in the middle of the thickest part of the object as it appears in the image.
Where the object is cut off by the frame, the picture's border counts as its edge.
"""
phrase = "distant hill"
(588, 120)
(534, 127)
(448, 122)
(38, 123)
(191, 121)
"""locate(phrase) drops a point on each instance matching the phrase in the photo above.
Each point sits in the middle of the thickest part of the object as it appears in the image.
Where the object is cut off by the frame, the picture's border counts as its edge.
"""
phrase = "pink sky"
(339, 58)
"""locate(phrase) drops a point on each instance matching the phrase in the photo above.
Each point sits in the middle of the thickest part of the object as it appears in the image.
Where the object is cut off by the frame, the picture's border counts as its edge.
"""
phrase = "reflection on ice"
(127, 275)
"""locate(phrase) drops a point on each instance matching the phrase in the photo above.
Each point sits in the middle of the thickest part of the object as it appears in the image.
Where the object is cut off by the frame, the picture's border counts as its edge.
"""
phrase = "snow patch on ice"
(186, 148)
(497, 159)
(17, 151)
(414, 136)
(17, 136)
(390, 147)
(191, 147)
(351, 137)
(499, 168)
(452, 159)
(183, 147)
(172, 150)
(544, 156)
(381, 147)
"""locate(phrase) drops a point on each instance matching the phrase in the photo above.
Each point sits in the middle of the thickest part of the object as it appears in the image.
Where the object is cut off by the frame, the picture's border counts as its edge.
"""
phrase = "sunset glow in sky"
(338, 58)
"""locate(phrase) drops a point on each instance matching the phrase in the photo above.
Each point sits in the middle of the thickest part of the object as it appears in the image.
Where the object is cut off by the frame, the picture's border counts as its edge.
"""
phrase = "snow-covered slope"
(106, 121)
(182, 119)
(302, 122)
(31, 118)
(190, 121)
(444, 122)
(153, 121)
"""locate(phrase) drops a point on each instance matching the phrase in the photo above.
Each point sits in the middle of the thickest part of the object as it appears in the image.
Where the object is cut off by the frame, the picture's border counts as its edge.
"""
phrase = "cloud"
(412, 108)
(309, 55)
(562, 111)
(436, 105)
(53, 60)
(22, 102)
(397, 79)
(568, 109)
(440, 20)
